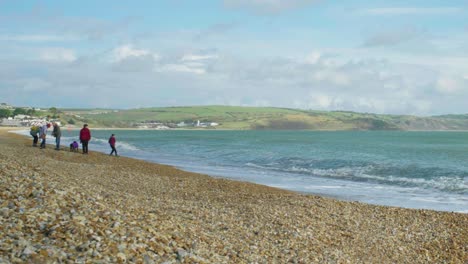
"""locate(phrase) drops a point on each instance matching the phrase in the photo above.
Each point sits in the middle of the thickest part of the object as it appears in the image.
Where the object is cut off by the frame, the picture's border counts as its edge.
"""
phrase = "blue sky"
(397, 57)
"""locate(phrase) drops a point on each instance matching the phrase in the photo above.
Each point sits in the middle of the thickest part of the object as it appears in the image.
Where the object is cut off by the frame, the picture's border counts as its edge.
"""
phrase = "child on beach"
(74, 146)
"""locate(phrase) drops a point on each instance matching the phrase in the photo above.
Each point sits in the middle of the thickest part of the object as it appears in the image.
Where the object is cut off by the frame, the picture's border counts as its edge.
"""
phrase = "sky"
(386, 57)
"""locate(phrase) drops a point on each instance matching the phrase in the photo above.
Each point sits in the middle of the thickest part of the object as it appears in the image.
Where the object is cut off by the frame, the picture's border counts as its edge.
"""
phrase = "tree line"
(4, 113)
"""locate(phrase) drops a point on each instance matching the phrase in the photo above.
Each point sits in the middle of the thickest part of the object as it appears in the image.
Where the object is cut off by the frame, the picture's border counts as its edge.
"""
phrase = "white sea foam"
(24, 132)
(120, 145)
(457, 184)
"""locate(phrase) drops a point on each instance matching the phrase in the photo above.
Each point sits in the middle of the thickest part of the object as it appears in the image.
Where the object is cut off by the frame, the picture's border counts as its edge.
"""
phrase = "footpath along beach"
(59, 206)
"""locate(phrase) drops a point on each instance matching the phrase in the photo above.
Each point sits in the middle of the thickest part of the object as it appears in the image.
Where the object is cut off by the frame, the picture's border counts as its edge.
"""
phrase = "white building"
(11, 122)
(21, 117)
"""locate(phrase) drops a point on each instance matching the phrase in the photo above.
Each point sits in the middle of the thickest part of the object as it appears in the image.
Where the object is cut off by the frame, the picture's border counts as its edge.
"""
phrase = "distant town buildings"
(206, 124)
(22, 117)
(21, 120)
(24, 120)
(167, 125)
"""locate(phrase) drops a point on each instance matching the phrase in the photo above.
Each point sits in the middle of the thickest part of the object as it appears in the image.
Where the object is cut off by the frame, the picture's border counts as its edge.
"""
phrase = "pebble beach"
(65, 207)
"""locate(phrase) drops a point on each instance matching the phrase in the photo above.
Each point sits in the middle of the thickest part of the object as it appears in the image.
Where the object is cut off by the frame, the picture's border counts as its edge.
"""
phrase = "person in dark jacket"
(112, 145)
(57, 134)
(85, 137)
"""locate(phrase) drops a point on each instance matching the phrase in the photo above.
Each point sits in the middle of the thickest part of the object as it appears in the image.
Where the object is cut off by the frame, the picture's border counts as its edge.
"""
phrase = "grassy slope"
(234, 117)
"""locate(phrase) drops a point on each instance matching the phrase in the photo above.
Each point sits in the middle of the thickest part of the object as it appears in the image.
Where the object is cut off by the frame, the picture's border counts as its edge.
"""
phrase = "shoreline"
(440, 206)
(227, 129)
(92, 208)
(335, 197)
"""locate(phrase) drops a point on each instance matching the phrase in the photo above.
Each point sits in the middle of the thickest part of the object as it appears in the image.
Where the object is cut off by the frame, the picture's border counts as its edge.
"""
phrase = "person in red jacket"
(112, 145)
(85, 137)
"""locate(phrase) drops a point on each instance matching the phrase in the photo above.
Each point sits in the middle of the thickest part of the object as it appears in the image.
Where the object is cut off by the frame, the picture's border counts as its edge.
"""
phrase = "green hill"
(235, 117)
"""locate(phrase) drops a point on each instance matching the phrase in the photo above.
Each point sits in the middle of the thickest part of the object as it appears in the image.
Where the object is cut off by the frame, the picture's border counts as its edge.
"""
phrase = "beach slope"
(64, 206)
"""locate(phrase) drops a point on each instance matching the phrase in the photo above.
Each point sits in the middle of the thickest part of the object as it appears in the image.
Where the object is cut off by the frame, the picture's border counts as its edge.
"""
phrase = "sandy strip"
(63, 206)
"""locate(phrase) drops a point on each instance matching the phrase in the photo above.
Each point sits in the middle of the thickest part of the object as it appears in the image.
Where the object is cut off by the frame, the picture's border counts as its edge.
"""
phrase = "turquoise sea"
(408, 169)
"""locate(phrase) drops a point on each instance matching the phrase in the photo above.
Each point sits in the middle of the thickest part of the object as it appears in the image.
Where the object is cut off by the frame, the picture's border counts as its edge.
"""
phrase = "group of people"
(40, 131)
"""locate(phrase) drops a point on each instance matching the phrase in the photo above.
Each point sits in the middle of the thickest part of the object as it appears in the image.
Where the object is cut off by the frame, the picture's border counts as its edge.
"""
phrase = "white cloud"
(412, 11)
(261, 103)
(323, 101)
(38, 38)
(143, 63)
(373, 104)
(57, 55)
(35, 85)
(59, 27)
(315, 80)
(332, 76)
(313, 57)
(319, 101)
(214, 30)
(244, 67)
(393, 37)
(126, 58)
(451, 84)
(422, 106)
(267, 6)
(125, 51)
(195, 63)
(197, 57)
(196, 69)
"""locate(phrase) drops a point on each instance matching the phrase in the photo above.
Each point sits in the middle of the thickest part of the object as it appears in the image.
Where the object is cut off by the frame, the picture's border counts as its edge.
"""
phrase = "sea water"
(427, 170)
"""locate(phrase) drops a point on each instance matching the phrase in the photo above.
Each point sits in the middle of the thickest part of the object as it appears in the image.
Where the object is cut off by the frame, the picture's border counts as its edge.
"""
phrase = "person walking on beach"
(57, 134)
(43, 134)
(85, 137)
(34, 131)
(112, 145)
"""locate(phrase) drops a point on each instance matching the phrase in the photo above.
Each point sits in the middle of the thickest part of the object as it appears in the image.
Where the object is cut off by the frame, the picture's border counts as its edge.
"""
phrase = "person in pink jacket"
(85, 137)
